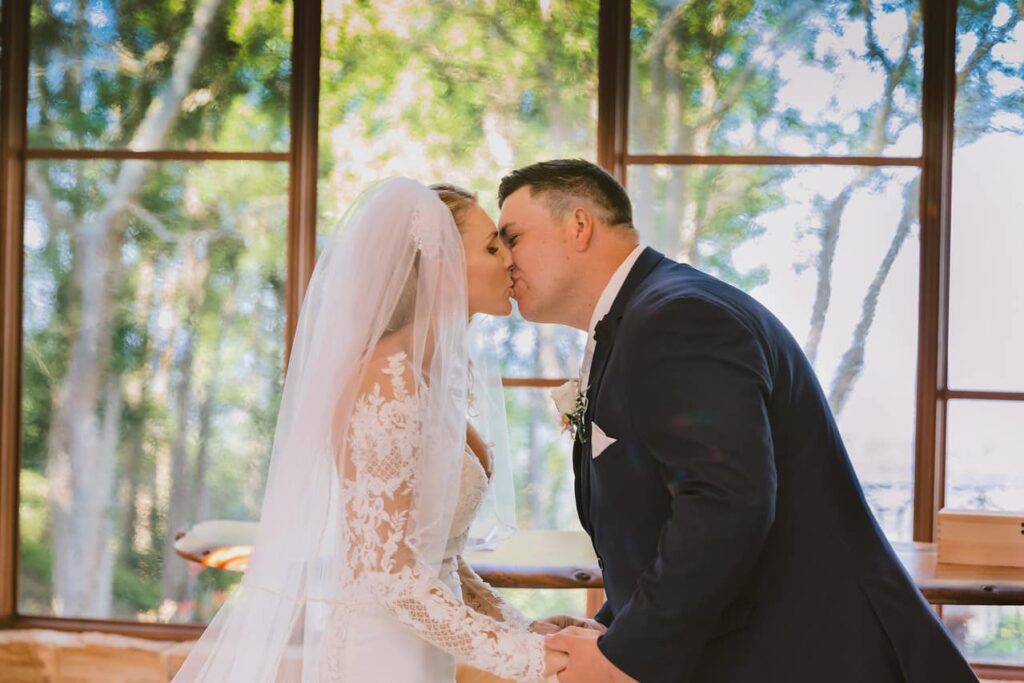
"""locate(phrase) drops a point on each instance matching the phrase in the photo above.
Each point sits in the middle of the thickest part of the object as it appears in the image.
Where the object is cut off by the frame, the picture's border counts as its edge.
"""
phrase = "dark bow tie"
(605, 328)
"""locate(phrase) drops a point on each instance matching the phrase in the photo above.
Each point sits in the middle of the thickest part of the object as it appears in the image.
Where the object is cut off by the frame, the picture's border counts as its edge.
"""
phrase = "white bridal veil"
(394, 267)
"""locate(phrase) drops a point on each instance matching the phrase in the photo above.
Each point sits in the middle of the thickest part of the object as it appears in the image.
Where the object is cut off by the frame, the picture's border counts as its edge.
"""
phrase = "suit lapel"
(605, 339)
(608, 326)
(582, 491)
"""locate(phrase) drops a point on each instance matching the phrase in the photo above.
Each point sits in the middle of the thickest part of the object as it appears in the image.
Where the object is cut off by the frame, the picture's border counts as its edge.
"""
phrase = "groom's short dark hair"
(562, 180)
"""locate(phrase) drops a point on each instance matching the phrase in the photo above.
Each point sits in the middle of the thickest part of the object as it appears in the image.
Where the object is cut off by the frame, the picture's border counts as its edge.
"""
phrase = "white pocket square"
(599, 441)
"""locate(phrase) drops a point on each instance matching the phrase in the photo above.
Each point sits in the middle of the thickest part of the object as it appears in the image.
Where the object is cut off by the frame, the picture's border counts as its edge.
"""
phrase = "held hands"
(554, 662)
(557, 660)
(556, 623)
(583, 662)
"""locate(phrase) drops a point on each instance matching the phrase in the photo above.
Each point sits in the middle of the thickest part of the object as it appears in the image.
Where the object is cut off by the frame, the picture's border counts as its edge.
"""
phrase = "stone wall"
(38, 656)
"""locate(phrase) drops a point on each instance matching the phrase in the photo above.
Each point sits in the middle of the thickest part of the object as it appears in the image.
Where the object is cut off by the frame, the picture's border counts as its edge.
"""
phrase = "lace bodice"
(472, 487)
(478, 627)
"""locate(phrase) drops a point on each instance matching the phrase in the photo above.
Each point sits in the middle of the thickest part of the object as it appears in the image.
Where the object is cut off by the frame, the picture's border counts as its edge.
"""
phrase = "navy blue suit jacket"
(734, 537)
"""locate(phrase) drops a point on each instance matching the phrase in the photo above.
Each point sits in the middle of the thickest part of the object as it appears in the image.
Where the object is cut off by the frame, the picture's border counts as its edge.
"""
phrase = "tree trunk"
(645, 110)
(201, 498)
(173, 576)
(79, 468)
(832, 218)
(852, 362)
(193, 285)
(80, 459)
(200, 490)
(135, 397)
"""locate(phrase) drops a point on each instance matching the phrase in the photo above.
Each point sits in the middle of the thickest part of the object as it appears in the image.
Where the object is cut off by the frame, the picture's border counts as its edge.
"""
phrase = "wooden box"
(981, 538)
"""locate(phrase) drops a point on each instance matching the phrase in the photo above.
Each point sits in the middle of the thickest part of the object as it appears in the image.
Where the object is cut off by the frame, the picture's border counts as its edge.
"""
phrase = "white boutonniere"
(571, 404)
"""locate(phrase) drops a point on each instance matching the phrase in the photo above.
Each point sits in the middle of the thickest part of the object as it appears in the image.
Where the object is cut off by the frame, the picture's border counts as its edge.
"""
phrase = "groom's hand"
(587, 664)
(556, 623)
(554, 662)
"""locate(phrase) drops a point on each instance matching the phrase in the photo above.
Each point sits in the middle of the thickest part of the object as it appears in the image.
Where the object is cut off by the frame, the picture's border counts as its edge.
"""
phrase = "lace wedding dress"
(401, 619)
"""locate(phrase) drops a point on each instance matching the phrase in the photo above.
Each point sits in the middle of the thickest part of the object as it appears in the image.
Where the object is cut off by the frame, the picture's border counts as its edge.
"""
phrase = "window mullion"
(613, 86)
(303, 171)
(938, 98)
(12, 200)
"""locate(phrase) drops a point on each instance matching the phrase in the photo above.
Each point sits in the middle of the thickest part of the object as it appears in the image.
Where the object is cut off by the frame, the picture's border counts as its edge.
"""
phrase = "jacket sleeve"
(698, 401)
(604, 615)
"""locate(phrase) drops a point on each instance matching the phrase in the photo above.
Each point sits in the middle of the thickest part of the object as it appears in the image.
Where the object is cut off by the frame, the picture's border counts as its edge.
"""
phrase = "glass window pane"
(542, 602)
(794, 77)
(986, 309)
(528, 349)
(541, 461)
(418, 90)
(169, 75)
(987, 634)
(833, 252)
(152, 367)
(984, 467)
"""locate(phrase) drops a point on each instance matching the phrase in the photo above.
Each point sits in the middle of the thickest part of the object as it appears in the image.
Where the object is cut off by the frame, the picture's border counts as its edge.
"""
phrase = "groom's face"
(538, 243)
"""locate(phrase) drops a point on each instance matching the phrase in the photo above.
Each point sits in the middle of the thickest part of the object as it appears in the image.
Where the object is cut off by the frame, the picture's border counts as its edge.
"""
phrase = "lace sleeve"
(379, 480)
(482, 597)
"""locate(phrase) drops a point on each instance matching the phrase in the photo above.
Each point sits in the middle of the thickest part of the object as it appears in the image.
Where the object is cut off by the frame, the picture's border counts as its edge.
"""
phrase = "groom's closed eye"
(506, 236)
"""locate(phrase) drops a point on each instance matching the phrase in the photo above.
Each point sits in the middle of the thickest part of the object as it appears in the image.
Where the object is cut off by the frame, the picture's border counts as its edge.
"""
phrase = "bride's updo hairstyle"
(457, 199)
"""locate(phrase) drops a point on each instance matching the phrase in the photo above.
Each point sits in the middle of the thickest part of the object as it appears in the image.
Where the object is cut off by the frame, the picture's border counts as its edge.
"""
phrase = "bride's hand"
(544, 628)
(560, 621)
(554, 662)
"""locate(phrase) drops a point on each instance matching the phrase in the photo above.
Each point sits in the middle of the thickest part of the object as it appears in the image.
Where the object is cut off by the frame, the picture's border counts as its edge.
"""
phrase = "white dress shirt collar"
(611, 290)
(604, 304)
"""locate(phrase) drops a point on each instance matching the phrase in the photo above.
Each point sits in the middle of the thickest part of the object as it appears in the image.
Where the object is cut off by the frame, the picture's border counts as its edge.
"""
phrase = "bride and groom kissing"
(733, 536)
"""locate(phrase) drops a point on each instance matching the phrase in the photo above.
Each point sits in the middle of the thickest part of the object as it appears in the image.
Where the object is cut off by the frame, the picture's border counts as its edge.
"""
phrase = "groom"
(734, 538)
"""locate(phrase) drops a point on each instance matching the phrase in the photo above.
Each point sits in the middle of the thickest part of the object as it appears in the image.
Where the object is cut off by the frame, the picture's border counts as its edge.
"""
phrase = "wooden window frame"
(932, 395)
(15, 153)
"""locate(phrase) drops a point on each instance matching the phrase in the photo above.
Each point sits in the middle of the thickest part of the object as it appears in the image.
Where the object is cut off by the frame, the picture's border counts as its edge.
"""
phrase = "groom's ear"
(581, 226)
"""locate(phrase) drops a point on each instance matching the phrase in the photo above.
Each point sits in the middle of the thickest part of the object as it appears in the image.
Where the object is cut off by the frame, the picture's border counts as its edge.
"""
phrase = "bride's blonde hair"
(456, 198)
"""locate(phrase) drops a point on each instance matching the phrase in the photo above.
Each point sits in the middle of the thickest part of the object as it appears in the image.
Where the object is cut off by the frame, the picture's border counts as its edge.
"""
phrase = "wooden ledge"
(566, 559)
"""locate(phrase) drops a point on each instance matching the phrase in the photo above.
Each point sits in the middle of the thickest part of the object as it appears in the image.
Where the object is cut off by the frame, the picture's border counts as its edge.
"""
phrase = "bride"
(378, 479)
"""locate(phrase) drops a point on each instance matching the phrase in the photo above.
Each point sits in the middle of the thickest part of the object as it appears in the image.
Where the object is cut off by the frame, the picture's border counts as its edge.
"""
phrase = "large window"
(985, 468)
(153, 295)
(177, 175)
(985, 398)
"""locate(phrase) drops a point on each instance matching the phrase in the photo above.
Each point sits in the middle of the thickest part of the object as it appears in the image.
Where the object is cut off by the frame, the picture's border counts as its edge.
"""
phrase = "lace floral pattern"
(382, 442)
(479, 595)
